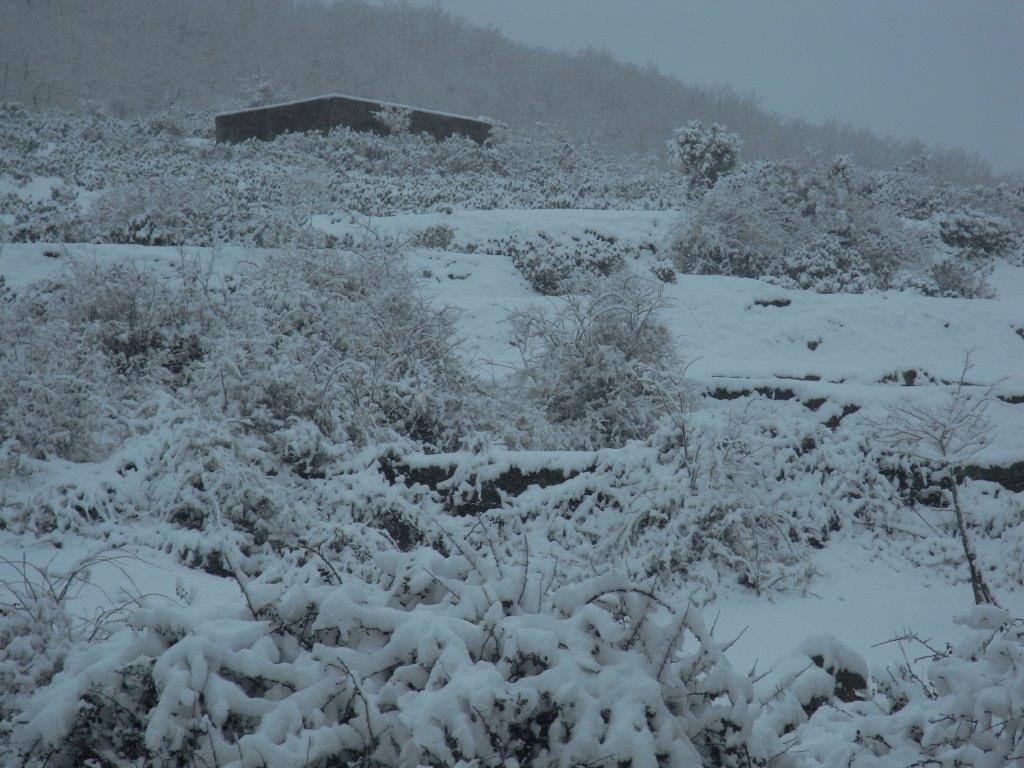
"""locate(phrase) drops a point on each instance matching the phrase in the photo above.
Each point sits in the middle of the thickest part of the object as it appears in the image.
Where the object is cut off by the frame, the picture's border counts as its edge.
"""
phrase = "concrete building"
(323, 113)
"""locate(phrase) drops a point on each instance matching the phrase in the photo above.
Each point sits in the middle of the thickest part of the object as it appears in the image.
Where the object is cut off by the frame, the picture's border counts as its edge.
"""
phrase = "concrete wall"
(327, 112)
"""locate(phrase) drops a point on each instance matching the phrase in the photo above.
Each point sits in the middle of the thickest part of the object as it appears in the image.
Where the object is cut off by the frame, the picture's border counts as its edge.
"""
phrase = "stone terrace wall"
(326, 112)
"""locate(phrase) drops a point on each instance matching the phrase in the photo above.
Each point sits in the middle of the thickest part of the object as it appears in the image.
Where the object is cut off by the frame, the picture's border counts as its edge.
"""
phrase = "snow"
(130, 567)
(728, 340)
(854, 598)
(478, 226)
(35, 188)
(726, 337)
(739, 335)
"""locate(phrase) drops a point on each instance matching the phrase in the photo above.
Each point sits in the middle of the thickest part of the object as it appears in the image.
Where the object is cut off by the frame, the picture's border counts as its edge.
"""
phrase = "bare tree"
(947, 435)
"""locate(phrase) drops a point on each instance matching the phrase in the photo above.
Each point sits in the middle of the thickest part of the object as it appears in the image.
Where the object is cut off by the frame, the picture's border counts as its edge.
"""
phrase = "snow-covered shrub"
(556, 266)
(168, 122)
(664, 270)
(39, 627)
(148, 213)
(826, 265)
(599, 361)
(368, 356)
(956, 277)
(211, 400)
(177, 211)
(703, 153)
(438, 236)
(912, 190)
(964, 708)
(74, 348)
(439, 661)
(741, 227)
(978, 233)
(6, 292)
(712, 498)
(394, 119)
(258, 92)
(54, 388)
(806, 228)
(55, 219)
(822, 672)
(942, 438)
(873, 234)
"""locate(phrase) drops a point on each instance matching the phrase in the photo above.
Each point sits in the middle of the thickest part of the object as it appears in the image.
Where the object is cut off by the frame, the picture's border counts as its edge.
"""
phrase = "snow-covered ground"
(735, 335)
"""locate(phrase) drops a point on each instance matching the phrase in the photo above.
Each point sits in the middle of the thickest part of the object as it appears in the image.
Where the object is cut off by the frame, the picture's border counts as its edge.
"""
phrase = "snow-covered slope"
(829, 364)
(738, 334)
(812, 354)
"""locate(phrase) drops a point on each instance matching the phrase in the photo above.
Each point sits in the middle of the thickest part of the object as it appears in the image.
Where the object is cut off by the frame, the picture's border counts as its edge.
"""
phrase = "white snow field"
(736, 335)
(753, 352)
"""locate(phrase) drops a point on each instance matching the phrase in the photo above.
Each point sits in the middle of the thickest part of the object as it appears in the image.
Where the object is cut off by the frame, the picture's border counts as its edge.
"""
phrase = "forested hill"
(132, 56)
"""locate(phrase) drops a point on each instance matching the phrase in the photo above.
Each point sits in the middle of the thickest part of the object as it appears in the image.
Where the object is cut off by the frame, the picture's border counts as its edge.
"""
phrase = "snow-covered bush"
(258, 92)
(178, 211)
(556, 266)
(804, 228)
(965, 707)
(741, 227)
(703, 153)
(599, 361)
(713, 499)
(39, 626)
(148, 213)
(55, 219)
(54, 389)
(942, 438)
(978, 233)
(826, 265)
(439, 236)
(74, 347)
(955, 277)
(393, 118)
(821, 672)
(439, 661)
(262, 192)
(664, 270)
(206, 399)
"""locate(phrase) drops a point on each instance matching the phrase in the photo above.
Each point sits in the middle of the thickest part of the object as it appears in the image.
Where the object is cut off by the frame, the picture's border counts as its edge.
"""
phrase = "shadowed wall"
(326, 112)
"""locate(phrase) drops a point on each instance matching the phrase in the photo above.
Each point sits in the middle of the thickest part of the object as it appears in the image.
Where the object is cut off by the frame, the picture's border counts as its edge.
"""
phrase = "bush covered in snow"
(438, 661)
(964, 708)
(39, 626)
(703, 153)
(132, 181)
(978, 233)
(712, 499)
(811, 228)
(599, 362)
(438, 236)
(207, 399)
(394, 119)
(556, 266)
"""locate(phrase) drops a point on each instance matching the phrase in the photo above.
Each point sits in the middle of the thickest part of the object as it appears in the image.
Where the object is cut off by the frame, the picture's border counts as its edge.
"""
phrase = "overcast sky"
(948, 71)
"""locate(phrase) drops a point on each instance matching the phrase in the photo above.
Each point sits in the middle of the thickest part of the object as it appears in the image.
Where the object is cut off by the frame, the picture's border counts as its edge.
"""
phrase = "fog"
(947, 71)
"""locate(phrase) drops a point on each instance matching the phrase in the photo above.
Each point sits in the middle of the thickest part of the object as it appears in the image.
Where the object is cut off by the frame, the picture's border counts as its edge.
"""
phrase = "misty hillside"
(140, 56)
(618, 439)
